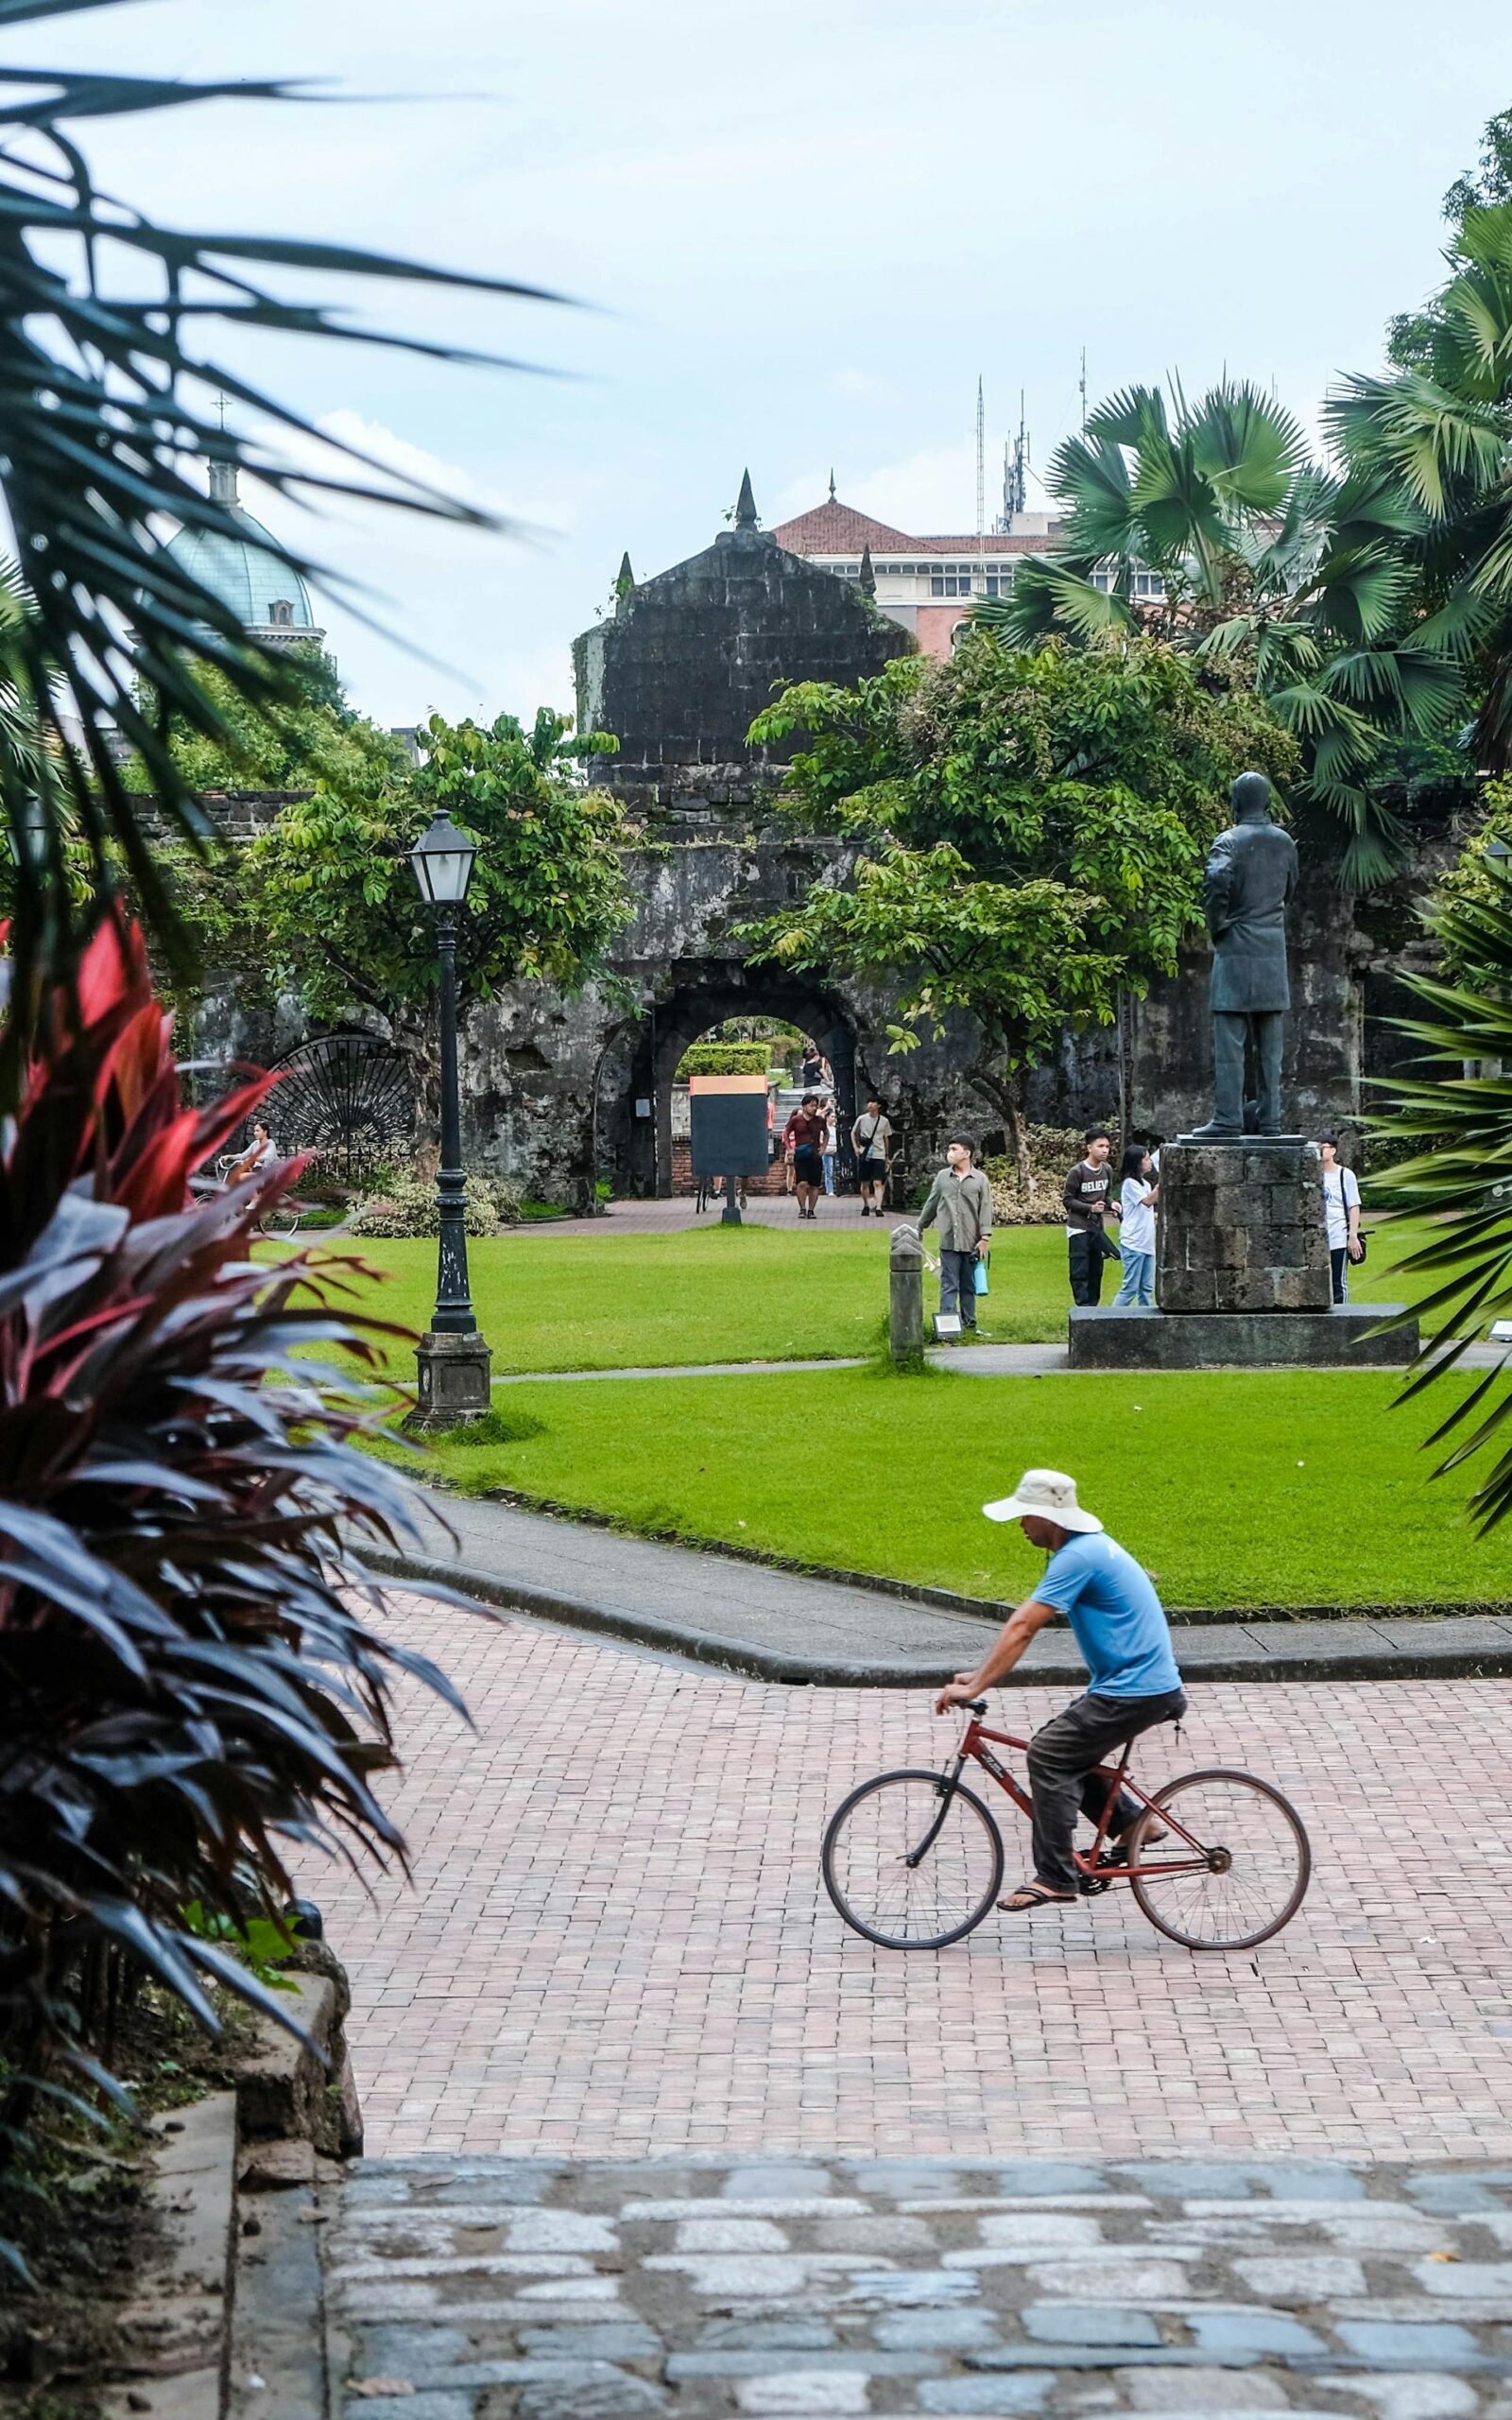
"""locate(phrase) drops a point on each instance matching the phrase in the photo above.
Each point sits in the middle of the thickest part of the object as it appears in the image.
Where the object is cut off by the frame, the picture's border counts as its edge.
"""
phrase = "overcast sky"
(800, 229)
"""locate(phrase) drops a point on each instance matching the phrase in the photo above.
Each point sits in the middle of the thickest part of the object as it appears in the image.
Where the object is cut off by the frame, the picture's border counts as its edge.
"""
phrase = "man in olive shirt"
(961, 1198)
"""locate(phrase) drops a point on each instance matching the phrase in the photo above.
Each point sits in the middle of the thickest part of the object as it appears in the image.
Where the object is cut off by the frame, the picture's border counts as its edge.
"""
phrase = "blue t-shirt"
(1118, 1619)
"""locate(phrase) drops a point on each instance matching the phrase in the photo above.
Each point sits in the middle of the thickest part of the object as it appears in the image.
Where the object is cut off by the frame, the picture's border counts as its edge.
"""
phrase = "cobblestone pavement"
(473, 2289)
(618, 1941)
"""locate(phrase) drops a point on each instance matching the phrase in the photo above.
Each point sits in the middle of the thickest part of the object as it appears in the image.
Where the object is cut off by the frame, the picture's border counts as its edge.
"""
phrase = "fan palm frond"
(107, 406)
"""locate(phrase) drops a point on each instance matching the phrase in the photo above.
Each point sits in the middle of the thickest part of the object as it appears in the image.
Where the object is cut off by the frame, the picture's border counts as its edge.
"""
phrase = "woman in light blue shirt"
(1138, 1195)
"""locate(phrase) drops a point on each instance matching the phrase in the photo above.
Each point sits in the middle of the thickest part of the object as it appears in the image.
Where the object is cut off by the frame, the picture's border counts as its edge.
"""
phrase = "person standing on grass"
(1138, 1195)
(805, 1140)
(1119, 1624)
(871, 1141)
(832, 1140)
(961, 1200)
(1341, 1214)
(1086, 1198)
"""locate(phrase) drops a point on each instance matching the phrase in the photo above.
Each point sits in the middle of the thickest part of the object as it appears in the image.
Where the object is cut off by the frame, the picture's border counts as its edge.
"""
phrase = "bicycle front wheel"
(908, 1870)
(1247, 1873)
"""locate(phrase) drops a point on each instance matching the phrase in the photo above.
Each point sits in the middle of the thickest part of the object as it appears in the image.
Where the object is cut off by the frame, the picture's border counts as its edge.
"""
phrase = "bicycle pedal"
(1093, 1884)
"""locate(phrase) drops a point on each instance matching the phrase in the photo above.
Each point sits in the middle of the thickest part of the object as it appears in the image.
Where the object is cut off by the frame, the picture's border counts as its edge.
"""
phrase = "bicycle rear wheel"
(906, 1870)
(1248, 1875)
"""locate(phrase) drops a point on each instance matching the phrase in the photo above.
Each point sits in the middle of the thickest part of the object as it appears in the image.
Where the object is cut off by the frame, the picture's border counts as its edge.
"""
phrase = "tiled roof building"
(920, 580)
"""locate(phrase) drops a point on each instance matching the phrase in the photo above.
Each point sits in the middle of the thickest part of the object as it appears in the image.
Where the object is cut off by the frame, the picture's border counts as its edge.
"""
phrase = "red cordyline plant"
(188, 1674)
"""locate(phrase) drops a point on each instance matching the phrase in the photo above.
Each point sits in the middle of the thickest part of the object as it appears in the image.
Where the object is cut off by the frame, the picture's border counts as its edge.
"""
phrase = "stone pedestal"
(454, 1375)
(1242, 1274)
(1241, 1228)
(1348, 1336)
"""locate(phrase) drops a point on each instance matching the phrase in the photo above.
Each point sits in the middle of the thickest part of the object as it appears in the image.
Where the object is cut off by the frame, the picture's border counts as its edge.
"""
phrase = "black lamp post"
(454, 1364)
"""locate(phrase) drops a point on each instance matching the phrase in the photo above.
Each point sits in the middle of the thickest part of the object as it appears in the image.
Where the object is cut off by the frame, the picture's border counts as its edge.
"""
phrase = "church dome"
(246, 572)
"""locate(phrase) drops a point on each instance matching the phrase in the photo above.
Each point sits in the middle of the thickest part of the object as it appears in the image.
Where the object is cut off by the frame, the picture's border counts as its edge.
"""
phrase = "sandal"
(1034, 1894)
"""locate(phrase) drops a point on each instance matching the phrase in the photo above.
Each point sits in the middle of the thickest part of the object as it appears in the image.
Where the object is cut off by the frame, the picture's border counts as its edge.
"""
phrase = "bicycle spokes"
(1250, 1874)
(912, 1861)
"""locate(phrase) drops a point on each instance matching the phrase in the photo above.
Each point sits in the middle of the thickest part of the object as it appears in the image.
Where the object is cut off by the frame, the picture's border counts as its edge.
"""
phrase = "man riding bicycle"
(1120, 1626)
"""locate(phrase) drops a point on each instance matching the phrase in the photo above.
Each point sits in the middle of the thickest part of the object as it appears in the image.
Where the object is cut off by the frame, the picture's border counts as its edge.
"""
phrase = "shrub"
(188, 1674)
(1053, 1152)
(723, 1058)
(405, 1204)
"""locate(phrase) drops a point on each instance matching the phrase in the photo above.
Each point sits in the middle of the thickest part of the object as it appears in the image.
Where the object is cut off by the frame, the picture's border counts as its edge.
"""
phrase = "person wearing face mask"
(961, 1200)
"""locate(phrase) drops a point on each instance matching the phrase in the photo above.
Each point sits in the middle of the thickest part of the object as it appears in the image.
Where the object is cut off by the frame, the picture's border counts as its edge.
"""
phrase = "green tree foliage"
(1029, 827)
(1412, 334)
(1268, 564)
(310, 735)
(330, 891)
(1457, 1109)
(1436, 435)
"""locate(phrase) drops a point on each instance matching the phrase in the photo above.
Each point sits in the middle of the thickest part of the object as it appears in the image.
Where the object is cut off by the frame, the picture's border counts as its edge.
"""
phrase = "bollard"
(905, 1265)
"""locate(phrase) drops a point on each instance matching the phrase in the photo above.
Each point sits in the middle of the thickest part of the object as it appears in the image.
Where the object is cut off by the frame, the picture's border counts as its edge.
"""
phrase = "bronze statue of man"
(1249, 878)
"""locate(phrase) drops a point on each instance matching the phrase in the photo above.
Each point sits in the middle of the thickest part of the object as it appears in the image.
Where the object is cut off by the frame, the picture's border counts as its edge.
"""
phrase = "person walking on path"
(1120, 1626)
(961, 1198)
(1086, 1198)
(831, 1139)
(1341, 1214)
(805, 1140)
(871, 1141)
(1138, 1195)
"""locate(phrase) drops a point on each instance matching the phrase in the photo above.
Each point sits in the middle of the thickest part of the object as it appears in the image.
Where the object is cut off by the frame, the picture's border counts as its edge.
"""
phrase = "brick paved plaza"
(619, 1942)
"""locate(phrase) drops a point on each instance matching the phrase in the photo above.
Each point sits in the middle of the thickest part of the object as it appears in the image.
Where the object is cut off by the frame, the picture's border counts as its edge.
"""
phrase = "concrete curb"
(947, 1601)
(1248, 1652)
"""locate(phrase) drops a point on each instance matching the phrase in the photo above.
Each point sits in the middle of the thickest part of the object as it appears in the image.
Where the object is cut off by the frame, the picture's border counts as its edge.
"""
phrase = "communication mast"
(1015, 484)
(981, 484)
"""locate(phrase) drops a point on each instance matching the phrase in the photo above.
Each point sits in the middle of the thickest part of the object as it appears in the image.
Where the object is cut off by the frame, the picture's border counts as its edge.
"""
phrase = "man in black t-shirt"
(1086, 1198)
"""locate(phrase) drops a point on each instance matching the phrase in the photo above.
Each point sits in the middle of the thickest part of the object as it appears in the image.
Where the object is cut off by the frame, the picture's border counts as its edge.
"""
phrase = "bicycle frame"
(972, 1749)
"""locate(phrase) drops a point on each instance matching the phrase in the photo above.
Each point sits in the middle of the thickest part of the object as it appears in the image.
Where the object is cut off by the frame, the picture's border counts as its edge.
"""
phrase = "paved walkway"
(676, 1216)
(468, 2289)
(792, 1626)
(618, 1941)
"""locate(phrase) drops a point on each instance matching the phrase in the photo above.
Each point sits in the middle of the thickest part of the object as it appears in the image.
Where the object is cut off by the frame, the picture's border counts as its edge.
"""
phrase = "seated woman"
(262, 1152)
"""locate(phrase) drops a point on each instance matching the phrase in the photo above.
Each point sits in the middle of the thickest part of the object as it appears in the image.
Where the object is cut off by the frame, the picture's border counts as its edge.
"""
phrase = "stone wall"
(693, 655)
(552, 1087)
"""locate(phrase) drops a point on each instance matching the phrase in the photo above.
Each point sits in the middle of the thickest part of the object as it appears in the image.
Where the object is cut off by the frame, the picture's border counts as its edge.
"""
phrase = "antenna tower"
(980, 477)
(1083, 391)
(1015, 464)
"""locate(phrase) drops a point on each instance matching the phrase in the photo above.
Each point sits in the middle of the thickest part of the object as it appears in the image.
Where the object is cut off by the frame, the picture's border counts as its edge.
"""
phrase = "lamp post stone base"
(452, 1380)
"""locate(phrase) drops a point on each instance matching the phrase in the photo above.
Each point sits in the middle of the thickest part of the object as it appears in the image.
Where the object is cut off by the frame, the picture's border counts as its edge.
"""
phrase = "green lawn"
(1282, 1488)
(608, 1301)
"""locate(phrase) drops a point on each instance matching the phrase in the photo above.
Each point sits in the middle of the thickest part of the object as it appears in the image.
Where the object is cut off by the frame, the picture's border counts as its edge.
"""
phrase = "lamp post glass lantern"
(453, 1361)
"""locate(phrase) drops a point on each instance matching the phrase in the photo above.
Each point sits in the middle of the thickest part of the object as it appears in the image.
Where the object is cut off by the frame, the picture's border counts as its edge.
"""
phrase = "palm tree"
(1456, 1108)
(1261, 561)
(108, 388)
(1438, 432)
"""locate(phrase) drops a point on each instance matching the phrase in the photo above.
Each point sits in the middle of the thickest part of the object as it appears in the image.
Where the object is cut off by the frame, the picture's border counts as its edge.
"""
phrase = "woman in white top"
(260, 1153)
(1138, 1195)
(831, 1143)
(1341, 1212)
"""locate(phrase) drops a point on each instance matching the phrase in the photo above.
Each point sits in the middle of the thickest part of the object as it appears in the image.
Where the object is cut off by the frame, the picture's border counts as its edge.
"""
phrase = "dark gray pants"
(1229, 1033)
(1062, 1758)
(957, 1284)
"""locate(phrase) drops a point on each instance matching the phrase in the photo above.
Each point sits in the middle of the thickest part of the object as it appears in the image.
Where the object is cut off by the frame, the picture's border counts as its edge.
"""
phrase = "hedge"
(725, 1059)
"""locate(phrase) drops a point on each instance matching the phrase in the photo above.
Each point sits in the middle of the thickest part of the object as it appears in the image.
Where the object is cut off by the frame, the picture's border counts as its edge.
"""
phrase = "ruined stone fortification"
(560, 1093)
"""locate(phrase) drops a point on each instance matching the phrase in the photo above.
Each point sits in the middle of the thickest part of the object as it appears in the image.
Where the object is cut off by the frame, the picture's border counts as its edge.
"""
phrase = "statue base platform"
(1347, 1336)
(1240, 1227)
(454, 1380)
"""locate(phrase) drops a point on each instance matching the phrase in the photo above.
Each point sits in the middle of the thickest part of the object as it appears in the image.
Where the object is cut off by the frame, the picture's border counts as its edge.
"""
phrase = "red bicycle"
(1216, 1860)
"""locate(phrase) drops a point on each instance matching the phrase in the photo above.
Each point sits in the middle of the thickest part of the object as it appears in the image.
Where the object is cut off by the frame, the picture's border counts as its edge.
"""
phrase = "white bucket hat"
(1050, 1494)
